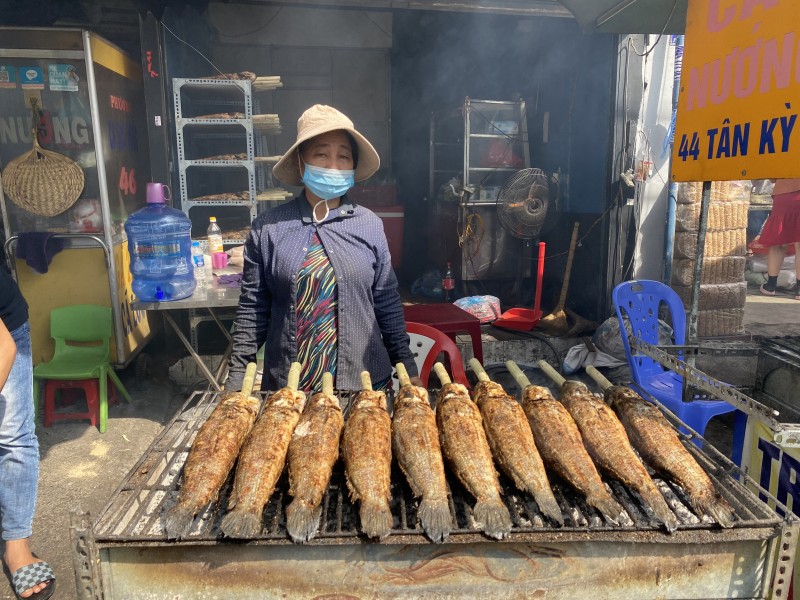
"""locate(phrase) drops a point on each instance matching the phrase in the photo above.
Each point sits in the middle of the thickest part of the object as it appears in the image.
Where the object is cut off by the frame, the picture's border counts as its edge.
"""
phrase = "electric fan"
(522, 203)
(522, 208)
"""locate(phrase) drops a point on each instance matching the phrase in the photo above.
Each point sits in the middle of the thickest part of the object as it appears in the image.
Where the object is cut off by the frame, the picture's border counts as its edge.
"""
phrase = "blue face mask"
(328, 183)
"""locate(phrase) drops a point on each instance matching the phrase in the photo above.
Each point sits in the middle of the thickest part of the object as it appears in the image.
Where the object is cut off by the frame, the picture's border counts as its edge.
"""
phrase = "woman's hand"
(416, 381)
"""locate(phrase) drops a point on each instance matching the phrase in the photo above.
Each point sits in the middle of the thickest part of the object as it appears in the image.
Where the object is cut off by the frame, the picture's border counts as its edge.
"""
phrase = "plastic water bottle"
(160, 245)
(214, 237)
(199, 265)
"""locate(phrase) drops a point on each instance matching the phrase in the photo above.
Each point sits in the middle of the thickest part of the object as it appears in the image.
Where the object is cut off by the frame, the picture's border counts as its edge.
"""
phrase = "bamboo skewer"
(249, 379)
(267, 123)
(598, 378)
(293, 379)
(551, 372)
(402, 375)
(259, 83)
(272, 194)
(366, 381)
(520, 377)
(327, 384)
(441, 373)
(478, 369)
(262, 84)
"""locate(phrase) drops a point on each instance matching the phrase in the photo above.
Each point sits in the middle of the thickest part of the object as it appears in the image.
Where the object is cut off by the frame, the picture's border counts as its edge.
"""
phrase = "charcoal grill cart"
(124, 553)
(770, 453)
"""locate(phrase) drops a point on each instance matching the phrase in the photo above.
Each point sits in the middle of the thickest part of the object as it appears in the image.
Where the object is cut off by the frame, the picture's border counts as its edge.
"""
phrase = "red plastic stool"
(90, 387)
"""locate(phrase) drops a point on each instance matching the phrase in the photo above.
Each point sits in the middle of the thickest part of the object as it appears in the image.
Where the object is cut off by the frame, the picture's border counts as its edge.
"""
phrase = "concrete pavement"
(81, 468)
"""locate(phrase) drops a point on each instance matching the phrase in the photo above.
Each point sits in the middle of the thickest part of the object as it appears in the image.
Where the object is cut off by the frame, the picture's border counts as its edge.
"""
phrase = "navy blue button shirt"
(372, 329)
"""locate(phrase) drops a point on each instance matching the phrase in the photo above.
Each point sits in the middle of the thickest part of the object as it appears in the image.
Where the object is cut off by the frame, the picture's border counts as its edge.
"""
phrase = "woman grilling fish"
(318, 286)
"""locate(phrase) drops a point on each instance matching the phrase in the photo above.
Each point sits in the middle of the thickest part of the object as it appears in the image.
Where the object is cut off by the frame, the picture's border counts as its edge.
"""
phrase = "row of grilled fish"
(606, 434)
(574, 436)
(571, 437)
(308, 438)
(659, 445)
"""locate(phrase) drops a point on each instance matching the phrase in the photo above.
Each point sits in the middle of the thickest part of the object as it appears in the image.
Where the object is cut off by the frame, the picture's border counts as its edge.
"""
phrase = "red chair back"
(426, 345)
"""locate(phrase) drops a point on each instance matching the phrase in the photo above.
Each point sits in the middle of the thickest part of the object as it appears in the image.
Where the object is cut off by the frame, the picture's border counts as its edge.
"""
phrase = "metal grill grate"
(136, 511)
(787, 348)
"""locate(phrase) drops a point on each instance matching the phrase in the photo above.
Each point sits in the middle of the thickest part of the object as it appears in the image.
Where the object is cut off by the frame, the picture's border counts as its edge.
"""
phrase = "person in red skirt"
(782, 228)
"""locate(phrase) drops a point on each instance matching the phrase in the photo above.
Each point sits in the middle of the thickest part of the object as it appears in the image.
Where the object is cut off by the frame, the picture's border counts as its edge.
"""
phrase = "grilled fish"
(659, 445)
(561, 447)
(466, 448)
(607, 443)
(313, 450)
(213, 454)
(367, 452)
(261, 462)
(415, 443)
(512, 444)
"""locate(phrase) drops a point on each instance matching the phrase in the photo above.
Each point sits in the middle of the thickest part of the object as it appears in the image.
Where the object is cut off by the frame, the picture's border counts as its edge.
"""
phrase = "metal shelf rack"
(219, 93)
(482, 143)
(193, 99)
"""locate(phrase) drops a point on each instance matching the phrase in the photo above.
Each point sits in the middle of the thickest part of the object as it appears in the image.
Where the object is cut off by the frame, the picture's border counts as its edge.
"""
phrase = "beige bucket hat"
(322, 119)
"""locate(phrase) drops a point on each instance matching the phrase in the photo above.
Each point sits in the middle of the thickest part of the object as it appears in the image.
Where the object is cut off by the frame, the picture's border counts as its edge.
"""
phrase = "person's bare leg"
(18, 554)
(797, 270)
(775, 260)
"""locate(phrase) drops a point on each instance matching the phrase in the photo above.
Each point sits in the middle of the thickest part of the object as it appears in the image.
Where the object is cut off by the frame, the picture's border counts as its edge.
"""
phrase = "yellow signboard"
(740, 92)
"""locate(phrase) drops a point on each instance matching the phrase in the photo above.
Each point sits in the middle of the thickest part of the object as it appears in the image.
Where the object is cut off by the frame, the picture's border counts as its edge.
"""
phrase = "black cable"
(203, 56)
(257, 29)
(663, 30)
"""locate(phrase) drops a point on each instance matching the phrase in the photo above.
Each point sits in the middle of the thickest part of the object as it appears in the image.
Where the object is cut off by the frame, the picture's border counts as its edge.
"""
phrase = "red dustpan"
(525, 319)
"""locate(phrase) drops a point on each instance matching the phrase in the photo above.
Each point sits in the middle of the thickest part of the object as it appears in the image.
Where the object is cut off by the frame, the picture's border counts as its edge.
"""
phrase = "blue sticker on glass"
(31, 78)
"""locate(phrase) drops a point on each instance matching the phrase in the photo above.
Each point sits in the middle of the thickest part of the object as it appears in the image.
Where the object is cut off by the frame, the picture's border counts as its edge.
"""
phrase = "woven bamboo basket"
(43, 182)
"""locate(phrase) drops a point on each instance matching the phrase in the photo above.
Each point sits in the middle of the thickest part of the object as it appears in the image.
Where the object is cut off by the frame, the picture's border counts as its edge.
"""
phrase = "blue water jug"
(160, 245)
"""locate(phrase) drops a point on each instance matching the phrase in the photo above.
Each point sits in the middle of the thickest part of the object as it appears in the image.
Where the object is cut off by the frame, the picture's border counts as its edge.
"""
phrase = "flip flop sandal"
(765, 291)
(28, 576)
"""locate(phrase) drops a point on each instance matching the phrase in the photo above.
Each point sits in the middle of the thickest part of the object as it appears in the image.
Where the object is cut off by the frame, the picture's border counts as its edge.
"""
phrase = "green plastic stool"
(83, 323)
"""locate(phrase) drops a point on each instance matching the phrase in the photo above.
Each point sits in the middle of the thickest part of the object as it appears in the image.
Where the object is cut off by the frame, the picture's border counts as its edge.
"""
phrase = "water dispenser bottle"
(160, 245)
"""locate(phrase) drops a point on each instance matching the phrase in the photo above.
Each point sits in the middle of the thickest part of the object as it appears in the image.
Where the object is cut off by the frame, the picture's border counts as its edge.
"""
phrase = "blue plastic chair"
(640, 302)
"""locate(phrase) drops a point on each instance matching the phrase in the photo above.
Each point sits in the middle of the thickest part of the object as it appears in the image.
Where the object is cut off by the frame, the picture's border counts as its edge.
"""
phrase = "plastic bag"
(429, 285)
(762, 187)
(486, 308)
(579, 356)
(607, 338)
